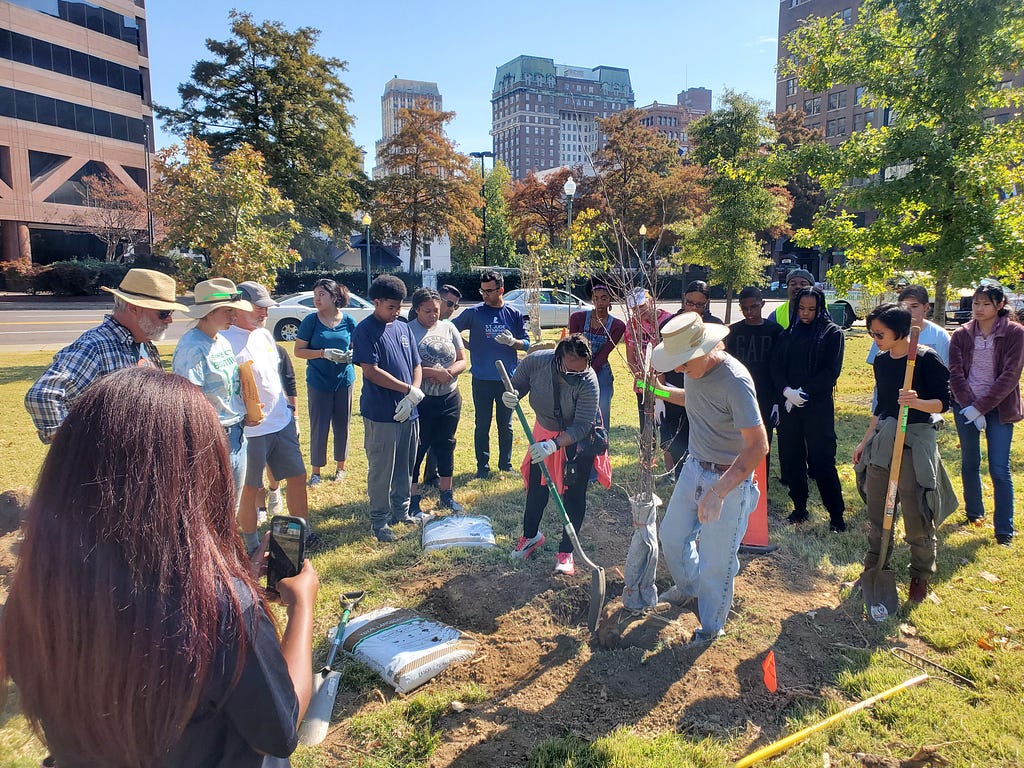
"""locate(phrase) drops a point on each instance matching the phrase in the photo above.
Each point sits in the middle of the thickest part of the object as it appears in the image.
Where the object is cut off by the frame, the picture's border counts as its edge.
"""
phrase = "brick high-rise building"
(401, 94)
(545, 114)
(74, 101)
(673, 120)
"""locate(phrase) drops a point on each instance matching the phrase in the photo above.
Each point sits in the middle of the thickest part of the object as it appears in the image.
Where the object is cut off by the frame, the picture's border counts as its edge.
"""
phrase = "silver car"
(555, 305)
(284, 320)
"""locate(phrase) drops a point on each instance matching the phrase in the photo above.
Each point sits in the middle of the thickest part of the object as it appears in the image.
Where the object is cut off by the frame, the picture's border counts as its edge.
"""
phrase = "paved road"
(52, 324)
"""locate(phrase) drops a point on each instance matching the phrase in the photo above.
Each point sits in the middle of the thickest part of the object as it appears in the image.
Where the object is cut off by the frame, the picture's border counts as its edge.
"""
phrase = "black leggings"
(574, 498)
(807, 440)
(439, 418)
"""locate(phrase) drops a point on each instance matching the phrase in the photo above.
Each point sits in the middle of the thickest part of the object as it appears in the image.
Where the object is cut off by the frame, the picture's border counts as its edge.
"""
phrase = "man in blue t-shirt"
(496, 332)
(386, 352)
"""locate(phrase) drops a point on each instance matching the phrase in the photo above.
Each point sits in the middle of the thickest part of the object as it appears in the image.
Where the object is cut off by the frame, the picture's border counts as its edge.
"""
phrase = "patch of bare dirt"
(547, 676)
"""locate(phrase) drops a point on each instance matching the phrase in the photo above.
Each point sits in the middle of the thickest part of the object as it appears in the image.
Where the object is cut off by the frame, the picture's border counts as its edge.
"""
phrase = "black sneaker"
(448, 502)
(483, 473)
(1004, 539)
(313, 542)
(404, 518)
(384, 534)
(798, 516)
(838, 525)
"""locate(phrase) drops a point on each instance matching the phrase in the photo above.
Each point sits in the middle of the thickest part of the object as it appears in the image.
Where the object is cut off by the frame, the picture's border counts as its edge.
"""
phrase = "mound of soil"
(547, 676)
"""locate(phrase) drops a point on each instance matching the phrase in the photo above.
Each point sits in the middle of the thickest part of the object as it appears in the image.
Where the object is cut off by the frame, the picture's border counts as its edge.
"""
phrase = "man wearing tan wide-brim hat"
(715, 492)
(143, 304)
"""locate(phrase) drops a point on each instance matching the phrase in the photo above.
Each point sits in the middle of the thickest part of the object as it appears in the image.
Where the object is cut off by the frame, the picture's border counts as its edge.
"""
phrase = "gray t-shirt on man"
(719, 404)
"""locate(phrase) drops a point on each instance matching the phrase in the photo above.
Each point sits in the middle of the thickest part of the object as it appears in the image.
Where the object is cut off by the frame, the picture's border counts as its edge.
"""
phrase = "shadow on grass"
(21, 373)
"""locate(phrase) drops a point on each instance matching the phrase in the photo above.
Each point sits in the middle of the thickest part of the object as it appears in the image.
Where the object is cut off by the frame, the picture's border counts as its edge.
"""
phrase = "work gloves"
(795, 398)
(506, 338)
(338, 356)
(510, 399)
(659, 411)
(404, 409)
(774, 416)
(974, 416)
(540, 451)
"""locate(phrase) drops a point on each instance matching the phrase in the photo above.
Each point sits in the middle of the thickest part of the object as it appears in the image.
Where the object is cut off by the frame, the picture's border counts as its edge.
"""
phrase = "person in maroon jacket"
(986, 356)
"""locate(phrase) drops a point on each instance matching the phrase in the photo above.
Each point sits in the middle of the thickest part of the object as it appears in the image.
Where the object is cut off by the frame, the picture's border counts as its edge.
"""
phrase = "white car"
(555, 305)
(284, 320)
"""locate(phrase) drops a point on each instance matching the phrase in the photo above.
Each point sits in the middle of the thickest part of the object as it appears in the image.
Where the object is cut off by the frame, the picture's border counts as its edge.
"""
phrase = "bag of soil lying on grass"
(405, 648)
(469, 531)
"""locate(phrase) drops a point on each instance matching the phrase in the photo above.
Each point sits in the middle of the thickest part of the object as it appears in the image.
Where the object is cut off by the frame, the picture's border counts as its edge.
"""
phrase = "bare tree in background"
(116, 214)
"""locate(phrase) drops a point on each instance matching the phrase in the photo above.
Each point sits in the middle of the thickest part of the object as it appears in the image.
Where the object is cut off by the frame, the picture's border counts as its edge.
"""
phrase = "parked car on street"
(283, 320)
(555, 305)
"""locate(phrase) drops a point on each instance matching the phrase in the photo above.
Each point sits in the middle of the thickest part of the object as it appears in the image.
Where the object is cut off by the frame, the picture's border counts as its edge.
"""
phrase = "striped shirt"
(101, 350)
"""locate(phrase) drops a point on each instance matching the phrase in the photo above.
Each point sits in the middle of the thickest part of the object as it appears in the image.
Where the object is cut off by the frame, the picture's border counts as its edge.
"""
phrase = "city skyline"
(715, 47)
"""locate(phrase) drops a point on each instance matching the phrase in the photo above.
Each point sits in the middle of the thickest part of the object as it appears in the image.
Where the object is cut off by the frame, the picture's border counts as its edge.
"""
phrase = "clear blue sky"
(667, 46)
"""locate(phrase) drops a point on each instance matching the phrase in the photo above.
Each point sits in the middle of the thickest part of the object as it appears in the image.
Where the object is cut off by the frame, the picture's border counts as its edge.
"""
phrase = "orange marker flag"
(768, 665)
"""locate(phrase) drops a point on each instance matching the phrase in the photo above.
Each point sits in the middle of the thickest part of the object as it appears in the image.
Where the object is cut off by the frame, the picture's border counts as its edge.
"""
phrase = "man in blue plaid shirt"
(143, 304)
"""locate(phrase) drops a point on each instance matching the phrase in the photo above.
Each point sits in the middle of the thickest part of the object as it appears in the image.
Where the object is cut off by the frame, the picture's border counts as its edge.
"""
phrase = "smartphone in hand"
(287, 549)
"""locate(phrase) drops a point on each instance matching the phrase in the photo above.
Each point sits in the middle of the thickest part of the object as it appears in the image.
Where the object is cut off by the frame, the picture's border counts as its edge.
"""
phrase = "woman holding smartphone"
(134, 629)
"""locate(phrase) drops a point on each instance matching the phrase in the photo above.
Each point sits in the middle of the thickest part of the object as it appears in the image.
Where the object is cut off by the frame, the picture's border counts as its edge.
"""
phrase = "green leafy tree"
(934, 180)
(428, 189)
(501, 249)
(266, 86)
(582, 255)
(795, 138)
(227, 208)
(735, 144)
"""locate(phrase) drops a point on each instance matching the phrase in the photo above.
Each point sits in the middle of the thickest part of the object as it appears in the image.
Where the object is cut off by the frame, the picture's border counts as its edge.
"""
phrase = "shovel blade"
(880, 596)
(313, 728)
(596, 598)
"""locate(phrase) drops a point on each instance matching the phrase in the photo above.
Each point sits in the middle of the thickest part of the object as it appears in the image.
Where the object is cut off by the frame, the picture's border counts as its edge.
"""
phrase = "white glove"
(338, 356)
(540, 451)
(506, 338)
(970, 413)
(404, 408)
(774, 417)
(789, 407)
(510, 399)
(797, 397)
(659, 411)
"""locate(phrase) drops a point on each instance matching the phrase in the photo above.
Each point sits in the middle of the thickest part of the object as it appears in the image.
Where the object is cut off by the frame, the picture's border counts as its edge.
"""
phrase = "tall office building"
(544, 114)
(838, 112)
(74, 102)
(673, 120)
(401, 94)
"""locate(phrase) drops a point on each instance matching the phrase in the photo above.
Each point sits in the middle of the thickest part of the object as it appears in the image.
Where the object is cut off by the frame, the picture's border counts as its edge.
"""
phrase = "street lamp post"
(483, 192)
(569, 189)
(367, 220)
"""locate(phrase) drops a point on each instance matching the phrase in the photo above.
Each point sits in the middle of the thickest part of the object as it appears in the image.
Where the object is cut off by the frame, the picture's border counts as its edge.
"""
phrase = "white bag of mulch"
(404, 648)
(458, 531)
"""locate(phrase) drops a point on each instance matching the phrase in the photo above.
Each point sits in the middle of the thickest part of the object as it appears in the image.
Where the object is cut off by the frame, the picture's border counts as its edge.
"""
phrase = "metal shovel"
(879, 583)
(313, 728)
(596, 571)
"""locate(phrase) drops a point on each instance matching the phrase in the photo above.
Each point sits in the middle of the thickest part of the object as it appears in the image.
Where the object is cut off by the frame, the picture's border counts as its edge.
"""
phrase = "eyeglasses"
(451, 304)
(163, 314)
(876, 334)
(485, 291)
(696, 305)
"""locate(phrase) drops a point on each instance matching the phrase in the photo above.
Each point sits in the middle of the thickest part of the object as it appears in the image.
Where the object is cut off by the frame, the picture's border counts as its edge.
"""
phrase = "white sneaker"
(674, 596)
(274, 502)
(564, 563)
(525, 547)
(261, 515)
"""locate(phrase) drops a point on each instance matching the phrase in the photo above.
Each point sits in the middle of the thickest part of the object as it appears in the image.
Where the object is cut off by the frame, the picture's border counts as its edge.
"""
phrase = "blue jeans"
(237, 453)
(706, 569)
(606, 388)
(997, 437)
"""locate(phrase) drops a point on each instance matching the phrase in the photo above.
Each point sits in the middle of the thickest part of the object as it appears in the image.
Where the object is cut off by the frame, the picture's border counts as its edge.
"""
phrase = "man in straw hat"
(143, 304)
(715, 492)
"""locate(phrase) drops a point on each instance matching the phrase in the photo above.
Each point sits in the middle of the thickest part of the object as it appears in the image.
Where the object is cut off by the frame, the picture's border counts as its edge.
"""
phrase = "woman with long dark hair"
(806, 365)
(986, 356)
(324, 341)
(134, 629)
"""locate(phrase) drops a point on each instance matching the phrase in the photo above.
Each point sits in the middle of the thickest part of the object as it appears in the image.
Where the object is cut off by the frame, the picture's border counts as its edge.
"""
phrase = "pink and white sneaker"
(564, 563)
(525, 547)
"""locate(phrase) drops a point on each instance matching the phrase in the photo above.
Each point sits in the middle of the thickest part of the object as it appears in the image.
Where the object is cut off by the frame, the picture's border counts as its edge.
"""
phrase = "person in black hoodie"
(805, 368)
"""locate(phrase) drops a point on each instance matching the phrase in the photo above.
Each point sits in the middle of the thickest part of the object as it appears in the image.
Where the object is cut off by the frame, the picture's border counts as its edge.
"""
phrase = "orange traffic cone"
(756, 537)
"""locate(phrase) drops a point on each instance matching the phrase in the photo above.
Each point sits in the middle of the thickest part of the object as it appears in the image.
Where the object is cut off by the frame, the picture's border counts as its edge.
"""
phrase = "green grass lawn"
(978, 589)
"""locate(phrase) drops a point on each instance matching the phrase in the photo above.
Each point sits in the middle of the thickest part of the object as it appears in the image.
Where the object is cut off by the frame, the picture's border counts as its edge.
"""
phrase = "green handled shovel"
(596, 571)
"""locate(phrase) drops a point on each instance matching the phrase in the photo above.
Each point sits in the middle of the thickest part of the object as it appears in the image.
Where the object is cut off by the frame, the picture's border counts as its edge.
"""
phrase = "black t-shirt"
(931, 381)
(752, 345)
(231, 726)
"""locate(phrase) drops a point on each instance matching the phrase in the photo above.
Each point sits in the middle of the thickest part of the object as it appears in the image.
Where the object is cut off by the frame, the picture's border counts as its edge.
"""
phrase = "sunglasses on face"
(451, 304)
(876, 334)
(485, 291)
(163, 314)
(696, 305)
